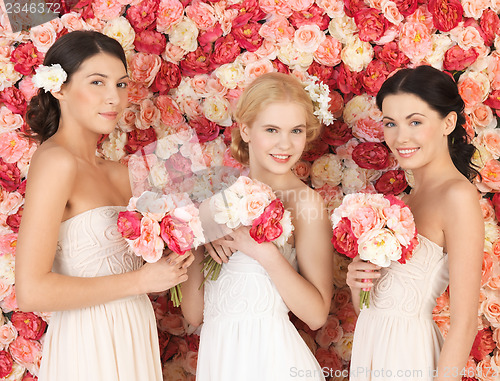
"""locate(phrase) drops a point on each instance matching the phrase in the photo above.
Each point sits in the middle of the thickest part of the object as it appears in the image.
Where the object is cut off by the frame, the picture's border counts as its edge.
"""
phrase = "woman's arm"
(192, 294)
(464, 237)
(308, 293)
(51, 180)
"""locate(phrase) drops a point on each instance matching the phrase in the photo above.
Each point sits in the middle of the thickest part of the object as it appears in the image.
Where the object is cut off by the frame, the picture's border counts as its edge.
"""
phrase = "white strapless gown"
(115, 341)
(247, 334)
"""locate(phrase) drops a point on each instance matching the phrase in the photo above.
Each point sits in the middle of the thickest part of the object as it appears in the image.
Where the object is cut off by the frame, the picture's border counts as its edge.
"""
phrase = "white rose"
(357, 108)
(114, 147)
(343, 28)
(326, 170)
(216, 109)
(357, 54)
(380, 247)
(226, 208)
(152, 204)
(49, 78)
(7, 268)
(292, 57)
(440, 44)
(184, 35)
(286, 223)
(120, 29)
(230, 75)
(353, 179)
(166, 147)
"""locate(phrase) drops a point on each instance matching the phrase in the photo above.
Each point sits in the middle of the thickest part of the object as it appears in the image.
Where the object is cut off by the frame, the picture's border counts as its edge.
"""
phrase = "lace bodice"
(244, 290)
(90, 245)
(411, 289)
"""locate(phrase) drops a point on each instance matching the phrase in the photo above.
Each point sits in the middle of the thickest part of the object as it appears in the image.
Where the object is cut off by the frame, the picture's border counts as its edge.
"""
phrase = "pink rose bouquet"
(153, 222)
(249, 202)
(380, 228)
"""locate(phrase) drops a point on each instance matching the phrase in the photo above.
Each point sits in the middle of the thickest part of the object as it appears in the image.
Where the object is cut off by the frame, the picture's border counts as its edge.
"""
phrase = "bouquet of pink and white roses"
(249, 202)
(380, 228)
(155, 221)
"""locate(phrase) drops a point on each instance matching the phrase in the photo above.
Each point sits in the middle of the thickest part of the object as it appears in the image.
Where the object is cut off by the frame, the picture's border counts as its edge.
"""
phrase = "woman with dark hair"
(396, 337)
(70, 257)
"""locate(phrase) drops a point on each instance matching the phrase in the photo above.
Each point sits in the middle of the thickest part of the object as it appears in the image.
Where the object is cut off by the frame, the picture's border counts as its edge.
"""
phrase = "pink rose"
(494, 71)
(170, 12)
(328, 52)
(173, 53)
(391, 55)
(491, 310)
(415, 40)
(202, 14)
(266, 227)
(205, 129)
(328, 358)
(26, 352)
(7, 332)
(129, 224)
(225, 50)
(302, 169)
(138, 139)
(14, 100)
(491, 174)
(149, 244)
(149, 115)
(173, 323)
(143, 14)
(308, 38)
(392, 13)
(177, 234)
(371, 155)
(107, 9)
(456, 58)
(344, 239)
(391, 182)
(12, 147)
(276, 7)
(374, 75)
(312, 15)
(368, 130)
(137, 92)
(248, 36)
(169, 111)
(29, 325)
(26, 58)
(330, 333)
(10, 176)
(209, 36)
(5, 363)
(277, 30)
(446, 14)
(27, 88)
(341, 298)
(144, 67)
(351, 7)
(43, 36)
(371, 24)
(150, 42)
(496, 205)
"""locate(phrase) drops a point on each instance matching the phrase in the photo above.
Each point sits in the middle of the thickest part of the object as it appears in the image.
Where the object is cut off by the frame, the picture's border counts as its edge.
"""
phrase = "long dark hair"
(69, 51)
(440, 92)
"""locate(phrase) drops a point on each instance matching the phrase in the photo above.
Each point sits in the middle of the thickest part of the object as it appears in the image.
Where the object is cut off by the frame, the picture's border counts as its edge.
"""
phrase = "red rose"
(373, 77)
(177, 235)
(167, 78)
(10, 176)
(458, 59)
(280, 66)
(406, 7)
(496, 205)
(29, 325)
(391, 55)
(326, 74)
(371, 24)
(266, 227)
(22, 187)
(85, 9)
(391, 182)
(14, 100)
(225, 50)
(483, 344)
(197, 62)
(344, 239)
(29, 377)
(248, 10)
(140, 139)
(193, 342)
(317, 149)
(248, 36)
(490, 26)
(446, 14)
(337, 133)
(210, 35)
(14, 220)
(150, 41)
(205, 129)
(313, 15)
(351, 7)
(5, 364)
(129, 224)
(349, 82)
(26, 58)
(142, 15)
(371, 155)
(494, 100)
(407, 251)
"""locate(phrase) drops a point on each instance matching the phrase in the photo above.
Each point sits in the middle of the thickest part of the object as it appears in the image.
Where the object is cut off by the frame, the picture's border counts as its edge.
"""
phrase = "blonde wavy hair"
(266, 89)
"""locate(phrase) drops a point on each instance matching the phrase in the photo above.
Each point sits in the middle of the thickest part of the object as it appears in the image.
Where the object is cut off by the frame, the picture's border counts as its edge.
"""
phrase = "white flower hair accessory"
(320, 95)
(49, 78)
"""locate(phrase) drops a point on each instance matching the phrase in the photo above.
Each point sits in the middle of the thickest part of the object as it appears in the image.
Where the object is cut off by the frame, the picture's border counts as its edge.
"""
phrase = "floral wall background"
(190, 60)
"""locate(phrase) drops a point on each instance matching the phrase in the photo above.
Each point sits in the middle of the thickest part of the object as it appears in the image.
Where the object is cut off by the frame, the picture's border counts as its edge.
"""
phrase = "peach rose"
(496, 336)
(215, 87)
(490, 138)
(107, 9)
(144, 67)
(173, 53)
(6, 284)
(443, 323)
(10, 202)
(73, 21)
(252, 206)
(277, 30)
(300, 5)
(487, 209)
(494, 70)
(415, 41)
(9, 121)
(468, 38)
(490, 308)
(267, 50)
(127, 119)
(308, 38)
(482, 116)
(333, 8)
(169, 111)
(148, 115)
(8, 333)
(175, 324)
(328, 52)
(487, 268)
(137, 92)
(149, 245)
(391, 12)
(43, 36)
(474, 8)
(485, 371)
(491, 175)
(26, 352)
(494, 283)
(27, 88)
(12, 146)
(281, 8)
(202, 14)
(302, 169)
(329, 358)
(330, 333)
(257, 68)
